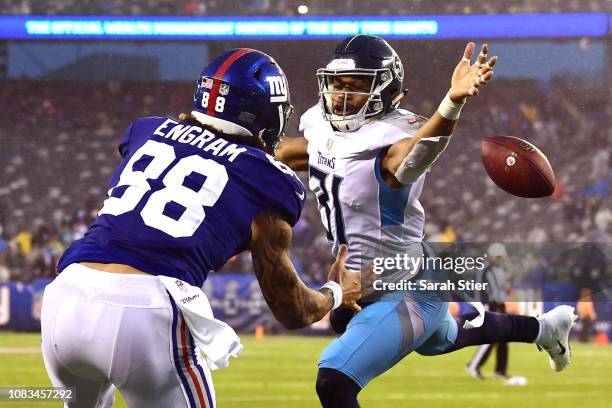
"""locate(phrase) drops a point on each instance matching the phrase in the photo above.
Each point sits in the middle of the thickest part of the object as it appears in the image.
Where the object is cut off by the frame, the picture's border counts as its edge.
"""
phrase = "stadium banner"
(474, 26)
(237, 300)
(20, 305)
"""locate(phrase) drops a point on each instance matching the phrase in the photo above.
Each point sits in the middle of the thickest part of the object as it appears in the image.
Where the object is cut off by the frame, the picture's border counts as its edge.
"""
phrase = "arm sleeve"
(422, 156)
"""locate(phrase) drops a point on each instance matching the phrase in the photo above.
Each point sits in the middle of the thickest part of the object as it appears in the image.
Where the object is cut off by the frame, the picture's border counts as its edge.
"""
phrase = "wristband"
(336, 290)
(449, 109)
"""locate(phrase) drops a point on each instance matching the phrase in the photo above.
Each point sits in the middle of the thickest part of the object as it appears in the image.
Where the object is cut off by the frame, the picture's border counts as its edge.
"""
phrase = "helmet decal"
(278, 88)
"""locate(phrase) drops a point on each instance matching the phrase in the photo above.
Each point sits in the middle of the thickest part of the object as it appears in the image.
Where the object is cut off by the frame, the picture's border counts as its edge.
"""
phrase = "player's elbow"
(294, 322)
(294, 318)
(293, 325)
(281, 155)
(295, 162)
(285, 154)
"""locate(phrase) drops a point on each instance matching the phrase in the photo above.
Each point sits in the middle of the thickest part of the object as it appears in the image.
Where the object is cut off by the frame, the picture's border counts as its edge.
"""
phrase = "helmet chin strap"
(225, 126)
(398, 98)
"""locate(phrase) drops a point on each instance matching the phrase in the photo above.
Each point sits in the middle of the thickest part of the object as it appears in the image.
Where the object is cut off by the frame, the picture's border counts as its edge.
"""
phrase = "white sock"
(539, 336)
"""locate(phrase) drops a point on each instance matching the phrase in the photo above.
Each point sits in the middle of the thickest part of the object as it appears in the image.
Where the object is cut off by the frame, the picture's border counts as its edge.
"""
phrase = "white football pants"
(102, 331)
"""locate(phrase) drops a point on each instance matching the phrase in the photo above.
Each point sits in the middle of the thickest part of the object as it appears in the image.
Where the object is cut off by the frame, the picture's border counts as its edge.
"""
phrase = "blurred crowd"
(59, 149)
(295, 7)
(570, 124)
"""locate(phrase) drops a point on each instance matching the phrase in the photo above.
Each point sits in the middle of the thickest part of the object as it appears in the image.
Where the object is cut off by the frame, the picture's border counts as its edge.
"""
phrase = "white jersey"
(357, 206)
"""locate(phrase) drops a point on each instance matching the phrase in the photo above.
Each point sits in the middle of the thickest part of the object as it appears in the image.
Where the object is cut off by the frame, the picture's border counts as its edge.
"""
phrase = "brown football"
(517, 166)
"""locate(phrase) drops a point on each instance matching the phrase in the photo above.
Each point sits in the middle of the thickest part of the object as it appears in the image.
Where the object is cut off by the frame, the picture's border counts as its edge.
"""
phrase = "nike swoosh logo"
(301, 196)
(562, 348)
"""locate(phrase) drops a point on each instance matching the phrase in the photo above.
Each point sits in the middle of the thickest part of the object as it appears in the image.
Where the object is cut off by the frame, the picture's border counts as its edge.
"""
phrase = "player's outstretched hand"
(349, 280)
(468, 79)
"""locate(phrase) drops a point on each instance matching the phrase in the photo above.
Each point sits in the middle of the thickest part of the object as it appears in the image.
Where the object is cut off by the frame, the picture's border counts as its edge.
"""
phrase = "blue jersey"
(182, 201)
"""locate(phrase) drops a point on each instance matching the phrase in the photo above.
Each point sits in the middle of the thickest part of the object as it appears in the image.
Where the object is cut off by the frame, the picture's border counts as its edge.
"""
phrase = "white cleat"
(474, 373)
(555, 327)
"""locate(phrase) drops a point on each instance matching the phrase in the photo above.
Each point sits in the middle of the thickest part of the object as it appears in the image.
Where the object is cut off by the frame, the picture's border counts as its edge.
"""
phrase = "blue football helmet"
(369, 57)
(244, 92)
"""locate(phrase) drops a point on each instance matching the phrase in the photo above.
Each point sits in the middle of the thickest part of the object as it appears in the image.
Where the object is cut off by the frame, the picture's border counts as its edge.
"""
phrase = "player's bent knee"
(442, 340)
(336, 390)
(325, 383)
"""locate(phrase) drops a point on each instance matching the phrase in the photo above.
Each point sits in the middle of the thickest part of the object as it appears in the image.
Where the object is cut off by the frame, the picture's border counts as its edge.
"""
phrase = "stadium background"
(65, 102)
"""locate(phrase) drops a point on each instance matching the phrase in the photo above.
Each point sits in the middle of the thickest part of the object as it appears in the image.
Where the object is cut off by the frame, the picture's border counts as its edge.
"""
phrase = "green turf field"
(280, 372)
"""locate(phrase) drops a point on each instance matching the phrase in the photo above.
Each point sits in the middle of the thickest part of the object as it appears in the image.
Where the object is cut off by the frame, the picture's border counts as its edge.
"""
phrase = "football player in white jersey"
(367, 161)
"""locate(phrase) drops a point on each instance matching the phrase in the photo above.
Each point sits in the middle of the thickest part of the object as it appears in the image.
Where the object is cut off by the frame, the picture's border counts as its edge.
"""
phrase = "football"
(517, 166)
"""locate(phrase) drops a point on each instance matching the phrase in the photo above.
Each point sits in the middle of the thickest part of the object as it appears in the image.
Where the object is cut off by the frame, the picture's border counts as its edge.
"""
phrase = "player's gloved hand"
(467, 79)
(349, 280)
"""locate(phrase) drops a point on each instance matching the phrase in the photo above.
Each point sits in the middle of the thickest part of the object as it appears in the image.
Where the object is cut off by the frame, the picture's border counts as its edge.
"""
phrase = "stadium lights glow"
(446, 26)
(302, 9)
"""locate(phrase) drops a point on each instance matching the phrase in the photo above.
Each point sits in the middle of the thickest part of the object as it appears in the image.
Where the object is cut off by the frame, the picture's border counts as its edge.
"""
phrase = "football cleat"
(500, 376)
(555, 327)
(474, 373)
(516, 381)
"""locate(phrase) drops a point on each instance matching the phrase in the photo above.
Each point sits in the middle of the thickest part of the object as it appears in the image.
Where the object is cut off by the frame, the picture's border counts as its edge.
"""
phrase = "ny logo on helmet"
(278, 88)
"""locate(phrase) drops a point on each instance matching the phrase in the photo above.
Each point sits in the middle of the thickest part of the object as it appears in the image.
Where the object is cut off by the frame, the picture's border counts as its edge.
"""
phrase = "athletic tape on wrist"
(336, 290)
(449, 109)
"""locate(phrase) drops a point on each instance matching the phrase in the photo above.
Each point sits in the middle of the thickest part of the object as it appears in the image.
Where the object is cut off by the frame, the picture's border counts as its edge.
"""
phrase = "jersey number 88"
(136, 186)
(219, 102)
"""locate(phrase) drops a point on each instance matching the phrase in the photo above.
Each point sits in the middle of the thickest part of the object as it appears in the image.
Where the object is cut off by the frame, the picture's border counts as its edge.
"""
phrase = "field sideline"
(279, 371)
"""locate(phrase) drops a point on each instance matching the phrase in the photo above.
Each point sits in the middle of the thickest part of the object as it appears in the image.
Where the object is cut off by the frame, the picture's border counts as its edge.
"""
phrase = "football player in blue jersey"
(126, 310)
(367, 161)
